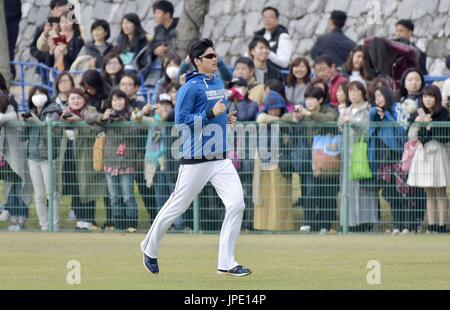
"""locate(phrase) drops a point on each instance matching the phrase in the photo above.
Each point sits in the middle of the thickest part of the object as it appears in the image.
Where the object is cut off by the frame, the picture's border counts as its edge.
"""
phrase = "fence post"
(50, 174)
(345, 187)
(196, 216)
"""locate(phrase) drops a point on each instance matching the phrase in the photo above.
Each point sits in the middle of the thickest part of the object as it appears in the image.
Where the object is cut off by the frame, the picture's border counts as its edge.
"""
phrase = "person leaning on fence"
(129, 84)
(17, 189)
(57, 9)
(63, 84)
(64, 49)
(362, 197)
(386, 140)
(298, 78)
(88, 184)
(119, 158)
(272, 194)
(244, 67)
(170, 69)
(112, 70)
(326, 69)
(320, 182)
(238, 101)
(157, 152)
(95, 88)
(412, 83)
(430, 167)
(95, 50)
(41, 110)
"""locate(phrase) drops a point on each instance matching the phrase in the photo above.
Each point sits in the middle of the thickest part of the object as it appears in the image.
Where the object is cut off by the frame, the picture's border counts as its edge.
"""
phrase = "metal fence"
(295, 177)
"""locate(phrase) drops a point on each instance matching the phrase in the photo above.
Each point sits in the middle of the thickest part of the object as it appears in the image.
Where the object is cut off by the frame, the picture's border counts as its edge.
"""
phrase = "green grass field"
(114, 261)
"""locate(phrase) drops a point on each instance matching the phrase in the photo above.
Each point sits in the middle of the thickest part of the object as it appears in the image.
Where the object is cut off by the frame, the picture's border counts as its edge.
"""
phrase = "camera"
(26, 115)
(53, 20)
(114, 113)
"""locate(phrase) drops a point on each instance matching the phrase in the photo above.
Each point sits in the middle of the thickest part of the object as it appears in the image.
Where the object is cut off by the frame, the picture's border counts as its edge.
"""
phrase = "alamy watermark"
(374, 275)
(374, 14)
(245, 141)
(73, 277)
(74, 14)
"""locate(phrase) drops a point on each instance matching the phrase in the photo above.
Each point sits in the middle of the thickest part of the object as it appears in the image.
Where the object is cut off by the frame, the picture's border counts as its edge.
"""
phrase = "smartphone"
(67, 115)
(61, 39)
(53, 20)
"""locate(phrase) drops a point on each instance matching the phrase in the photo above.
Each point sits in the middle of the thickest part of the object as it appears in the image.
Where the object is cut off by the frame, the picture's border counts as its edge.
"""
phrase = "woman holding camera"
(88, 184)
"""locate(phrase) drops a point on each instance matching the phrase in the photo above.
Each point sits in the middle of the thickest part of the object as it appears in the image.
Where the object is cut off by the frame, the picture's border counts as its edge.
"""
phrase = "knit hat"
(274, 100)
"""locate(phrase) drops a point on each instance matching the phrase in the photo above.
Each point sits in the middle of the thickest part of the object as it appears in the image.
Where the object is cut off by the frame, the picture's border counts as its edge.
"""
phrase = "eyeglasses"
(209, 56)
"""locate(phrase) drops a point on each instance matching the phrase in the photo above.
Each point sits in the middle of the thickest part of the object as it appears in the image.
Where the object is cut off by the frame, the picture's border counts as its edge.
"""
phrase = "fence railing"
(48, 76)
(294, 176)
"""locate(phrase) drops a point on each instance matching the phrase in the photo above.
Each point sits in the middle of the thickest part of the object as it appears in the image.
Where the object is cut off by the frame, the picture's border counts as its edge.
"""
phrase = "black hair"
(291, 79)
(277, 86)
(165, 6)
(60, 76)
(256, 40)
(270, 8)
(94, 79)
(134, 77)
(435, 92)
(58, 3)
(139, 33)
(75, 26)
(3, 84)
(168, 58)
(387, 94)
(359, 86)
(315, 92)
(324, 59)
(246, 61)
(198, 48)
(119, 94)
(33, 91)
(407, 23)
(403, 92)
(339, 18)
(318, 80)
(107, 58)
(104, 24)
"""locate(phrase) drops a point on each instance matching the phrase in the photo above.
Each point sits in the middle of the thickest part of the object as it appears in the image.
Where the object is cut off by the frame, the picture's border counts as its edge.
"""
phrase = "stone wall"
(231, 23)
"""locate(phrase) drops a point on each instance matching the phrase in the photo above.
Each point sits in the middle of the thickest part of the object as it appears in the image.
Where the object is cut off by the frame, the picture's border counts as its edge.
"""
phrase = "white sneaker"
(71, 217)
(305, 228)
(4, 216)
(323, 231)
(396, 231)
(405, 232)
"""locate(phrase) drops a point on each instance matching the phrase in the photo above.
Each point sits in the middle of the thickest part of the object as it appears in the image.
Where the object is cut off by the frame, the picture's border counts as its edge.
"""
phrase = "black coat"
(435, 132)
(73, 49)
(334, 44)
(92, 50)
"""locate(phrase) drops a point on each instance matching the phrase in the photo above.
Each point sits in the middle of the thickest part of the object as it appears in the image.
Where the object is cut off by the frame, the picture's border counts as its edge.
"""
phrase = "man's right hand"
(219, 108)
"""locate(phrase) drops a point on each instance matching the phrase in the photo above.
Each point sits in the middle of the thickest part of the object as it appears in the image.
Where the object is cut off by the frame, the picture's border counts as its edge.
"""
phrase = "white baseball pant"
(191, 180)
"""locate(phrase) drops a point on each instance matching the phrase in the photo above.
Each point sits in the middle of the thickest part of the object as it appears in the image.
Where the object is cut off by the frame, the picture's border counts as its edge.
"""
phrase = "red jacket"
(333, 87)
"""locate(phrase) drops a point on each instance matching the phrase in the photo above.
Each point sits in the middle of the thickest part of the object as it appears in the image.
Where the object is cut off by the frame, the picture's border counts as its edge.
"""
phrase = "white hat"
(165, 97)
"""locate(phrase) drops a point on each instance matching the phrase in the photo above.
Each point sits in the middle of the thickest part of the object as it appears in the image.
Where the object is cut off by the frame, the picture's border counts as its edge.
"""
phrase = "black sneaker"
(151, 264)
(237, 271)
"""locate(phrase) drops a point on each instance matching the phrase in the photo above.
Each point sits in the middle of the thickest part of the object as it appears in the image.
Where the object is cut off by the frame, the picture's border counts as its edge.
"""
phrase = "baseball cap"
(238, 82)
(164, 97)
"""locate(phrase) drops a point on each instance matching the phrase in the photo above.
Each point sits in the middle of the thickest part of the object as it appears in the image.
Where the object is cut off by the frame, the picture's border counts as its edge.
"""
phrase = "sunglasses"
(209, 56)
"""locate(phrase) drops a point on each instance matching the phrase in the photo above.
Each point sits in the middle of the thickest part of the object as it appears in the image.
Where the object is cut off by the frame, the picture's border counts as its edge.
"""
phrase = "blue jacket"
(207, 135)
(389, 130)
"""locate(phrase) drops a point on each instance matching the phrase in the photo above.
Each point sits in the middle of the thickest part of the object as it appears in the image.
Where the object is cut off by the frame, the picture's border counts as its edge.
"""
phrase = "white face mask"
(172, 72)
(39, 100)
